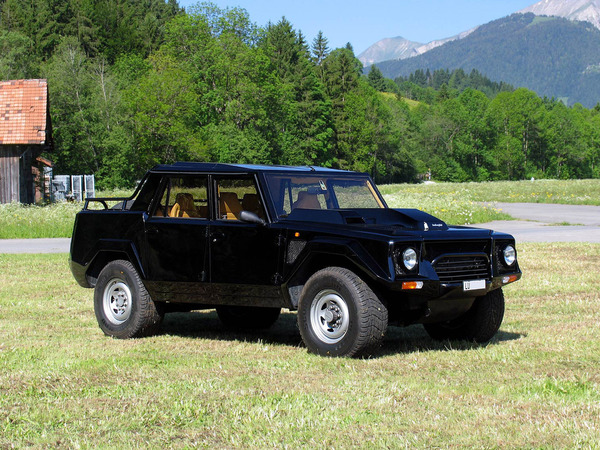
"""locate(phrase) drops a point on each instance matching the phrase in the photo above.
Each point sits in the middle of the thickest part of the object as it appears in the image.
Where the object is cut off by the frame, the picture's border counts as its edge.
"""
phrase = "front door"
(244, 256)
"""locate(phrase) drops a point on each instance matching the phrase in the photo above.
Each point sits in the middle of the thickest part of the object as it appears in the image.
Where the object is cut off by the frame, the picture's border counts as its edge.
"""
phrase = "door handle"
(217, 236)
(152, 230)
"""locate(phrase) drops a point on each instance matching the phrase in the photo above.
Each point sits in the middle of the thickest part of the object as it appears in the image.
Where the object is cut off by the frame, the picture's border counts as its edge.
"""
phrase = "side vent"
(294, 249)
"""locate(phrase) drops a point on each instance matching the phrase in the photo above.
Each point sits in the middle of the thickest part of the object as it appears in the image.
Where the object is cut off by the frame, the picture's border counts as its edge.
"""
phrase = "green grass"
(29, 221)
(63, 384)
(56, 220)
(449, 203)
(568, 192)
(455, 203)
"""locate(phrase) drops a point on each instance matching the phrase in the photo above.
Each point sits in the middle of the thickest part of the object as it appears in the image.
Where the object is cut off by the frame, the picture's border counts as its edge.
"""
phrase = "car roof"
(242, 168)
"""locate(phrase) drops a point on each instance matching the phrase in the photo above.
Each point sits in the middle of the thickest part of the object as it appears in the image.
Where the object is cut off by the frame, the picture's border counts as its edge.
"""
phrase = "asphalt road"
(59, 245)
(542, 222)
(537, 222)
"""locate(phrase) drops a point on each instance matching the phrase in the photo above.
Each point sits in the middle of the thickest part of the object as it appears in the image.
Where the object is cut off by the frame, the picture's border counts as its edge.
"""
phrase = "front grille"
(455, 268)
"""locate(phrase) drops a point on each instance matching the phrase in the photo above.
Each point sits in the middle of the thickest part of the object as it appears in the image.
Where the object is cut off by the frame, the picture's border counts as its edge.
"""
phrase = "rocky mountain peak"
(580, 10)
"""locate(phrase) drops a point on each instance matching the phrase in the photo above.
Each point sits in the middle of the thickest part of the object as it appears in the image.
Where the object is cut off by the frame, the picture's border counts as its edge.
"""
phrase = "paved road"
(537, 223)
(60, 245)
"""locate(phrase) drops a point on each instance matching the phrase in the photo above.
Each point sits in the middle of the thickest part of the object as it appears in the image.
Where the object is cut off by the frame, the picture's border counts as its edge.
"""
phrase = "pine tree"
(320, 50)
(376, 79)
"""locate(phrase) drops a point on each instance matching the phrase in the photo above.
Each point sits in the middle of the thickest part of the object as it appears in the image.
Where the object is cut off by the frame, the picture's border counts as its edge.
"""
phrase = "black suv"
(249, 240)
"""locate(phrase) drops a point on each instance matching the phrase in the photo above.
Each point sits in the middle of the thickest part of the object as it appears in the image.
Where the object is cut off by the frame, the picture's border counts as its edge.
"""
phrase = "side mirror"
(249, 216)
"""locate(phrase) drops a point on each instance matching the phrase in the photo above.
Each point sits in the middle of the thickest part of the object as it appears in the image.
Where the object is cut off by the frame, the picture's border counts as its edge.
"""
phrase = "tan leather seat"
(250, 202)
(184, 206)
(306, 201)
(229, 206)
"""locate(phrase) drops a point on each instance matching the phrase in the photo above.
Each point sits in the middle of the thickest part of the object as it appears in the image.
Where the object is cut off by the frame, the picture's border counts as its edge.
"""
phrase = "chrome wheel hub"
(117, 301)
(329, 316)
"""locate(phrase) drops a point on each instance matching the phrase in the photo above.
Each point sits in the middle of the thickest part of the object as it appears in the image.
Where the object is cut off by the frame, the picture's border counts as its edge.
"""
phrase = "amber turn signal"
(411, 285)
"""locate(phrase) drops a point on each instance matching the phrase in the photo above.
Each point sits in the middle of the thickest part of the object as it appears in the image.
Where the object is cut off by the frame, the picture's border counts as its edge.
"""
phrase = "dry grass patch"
(64, 384)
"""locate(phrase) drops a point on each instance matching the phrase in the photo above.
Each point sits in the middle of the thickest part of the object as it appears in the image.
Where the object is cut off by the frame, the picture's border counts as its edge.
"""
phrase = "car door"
(244, 257)
(176, 240)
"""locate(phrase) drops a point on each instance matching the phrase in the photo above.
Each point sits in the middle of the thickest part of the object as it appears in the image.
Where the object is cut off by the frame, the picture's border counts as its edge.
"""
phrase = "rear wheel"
(122, 304)
(249, 317)
(339, 314)
(479, 324)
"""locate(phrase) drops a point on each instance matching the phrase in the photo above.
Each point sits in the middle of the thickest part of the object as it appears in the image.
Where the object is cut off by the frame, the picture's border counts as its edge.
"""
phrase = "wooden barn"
(25, 132)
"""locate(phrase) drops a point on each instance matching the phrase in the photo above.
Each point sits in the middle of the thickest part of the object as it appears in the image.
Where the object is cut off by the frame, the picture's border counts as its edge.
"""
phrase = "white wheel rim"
(117, 301)
(329, 316)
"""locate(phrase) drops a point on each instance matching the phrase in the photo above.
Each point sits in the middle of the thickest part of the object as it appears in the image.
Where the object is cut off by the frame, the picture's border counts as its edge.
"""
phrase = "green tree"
(16, 59)
(376, 79)
(515, 119)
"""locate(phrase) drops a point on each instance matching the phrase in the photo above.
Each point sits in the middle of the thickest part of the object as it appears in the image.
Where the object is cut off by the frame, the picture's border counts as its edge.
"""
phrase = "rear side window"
(184, 197)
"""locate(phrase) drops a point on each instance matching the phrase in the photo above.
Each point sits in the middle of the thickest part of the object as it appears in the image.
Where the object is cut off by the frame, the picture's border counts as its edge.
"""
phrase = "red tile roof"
(23, 110)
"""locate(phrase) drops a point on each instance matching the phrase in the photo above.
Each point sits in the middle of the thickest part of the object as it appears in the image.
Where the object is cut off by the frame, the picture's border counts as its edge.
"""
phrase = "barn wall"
(10, 189)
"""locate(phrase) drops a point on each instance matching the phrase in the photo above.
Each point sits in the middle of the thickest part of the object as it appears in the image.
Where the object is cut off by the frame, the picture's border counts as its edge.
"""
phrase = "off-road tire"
(339, 314)
(122, 304)
(248, 317)
(479, 324)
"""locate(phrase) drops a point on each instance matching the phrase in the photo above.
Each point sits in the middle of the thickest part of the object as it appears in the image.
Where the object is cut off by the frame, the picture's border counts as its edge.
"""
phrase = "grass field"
(455, 203)
(63, 384)
(568, 192)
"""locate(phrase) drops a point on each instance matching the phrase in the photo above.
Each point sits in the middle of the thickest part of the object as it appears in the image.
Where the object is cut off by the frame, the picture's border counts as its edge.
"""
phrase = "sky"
(364, 22)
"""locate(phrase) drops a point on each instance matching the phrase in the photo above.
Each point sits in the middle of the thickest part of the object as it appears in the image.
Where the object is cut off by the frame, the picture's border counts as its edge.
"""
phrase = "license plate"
(474, 285)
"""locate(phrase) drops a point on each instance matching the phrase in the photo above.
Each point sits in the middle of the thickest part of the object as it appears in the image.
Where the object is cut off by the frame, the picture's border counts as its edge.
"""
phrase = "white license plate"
(474, 285)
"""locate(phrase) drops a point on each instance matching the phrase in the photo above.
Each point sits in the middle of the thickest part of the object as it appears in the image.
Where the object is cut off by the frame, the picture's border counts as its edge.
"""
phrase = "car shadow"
(206, 325)
(398, 340)
(414, 338)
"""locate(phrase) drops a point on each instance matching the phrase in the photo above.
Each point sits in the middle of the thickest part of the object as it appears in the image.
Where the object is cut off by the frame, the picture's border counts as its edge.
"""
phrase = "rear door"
(176, 239)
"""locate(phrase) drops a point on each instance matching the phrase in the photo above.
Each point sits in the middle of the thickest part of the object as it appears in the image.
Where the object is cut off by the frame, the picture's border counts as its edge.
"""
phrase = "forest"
(135, 83)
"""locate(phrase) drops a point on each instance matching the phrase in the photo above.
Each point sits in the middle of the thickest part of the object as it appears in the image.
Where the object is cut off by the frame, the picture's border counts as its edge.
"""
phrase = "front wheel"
(479, 324)
(122, 304)
(339, 314)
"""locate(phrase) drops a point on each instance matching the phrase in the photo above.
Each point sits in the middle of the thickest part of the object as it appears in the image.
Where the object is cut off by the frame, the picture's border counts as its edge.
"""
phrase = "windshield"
(322, 192)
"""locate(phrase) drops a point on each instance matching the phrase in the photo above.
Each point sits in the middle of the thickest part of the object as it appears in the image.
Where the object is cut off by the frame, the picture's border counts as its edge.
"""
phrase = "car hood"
(408, 219)
(385, 221)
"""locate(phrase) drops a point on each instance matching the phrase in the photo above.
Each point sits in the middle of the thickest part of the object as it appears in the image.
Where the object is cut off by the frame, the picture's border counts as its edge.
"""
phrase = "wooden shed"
(25, 132)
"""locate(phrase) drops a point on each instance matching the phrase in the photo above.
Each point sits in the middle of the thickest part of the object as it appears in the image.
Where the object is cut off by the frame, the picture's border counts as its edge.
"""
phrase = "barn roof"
(23, 112)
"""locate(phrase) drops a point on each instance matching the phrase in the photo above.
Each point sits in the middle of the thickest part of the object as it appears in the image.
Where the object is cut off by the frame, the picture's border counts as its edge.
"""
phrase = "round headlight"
(510, 255)
(409, 258)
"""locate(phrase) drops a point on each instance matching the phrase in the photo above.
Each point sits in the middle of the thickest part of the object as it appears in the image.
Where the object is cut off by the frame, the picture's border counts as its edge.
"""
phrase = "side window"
(236, 195)
(184, 197)
(309, 197)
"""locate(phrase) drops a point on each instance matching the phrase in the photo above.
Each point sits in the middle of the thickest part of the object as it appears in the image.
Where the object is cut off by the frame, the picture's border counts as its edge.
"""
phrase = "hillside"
(552, 56)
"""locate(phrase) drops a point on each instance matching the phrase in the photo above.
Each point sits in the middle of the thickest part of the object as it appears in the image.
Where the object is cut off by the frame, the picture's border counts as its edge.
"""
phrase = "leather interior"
(229, 206)
(251, 202)
(184, 206)
(306, 201)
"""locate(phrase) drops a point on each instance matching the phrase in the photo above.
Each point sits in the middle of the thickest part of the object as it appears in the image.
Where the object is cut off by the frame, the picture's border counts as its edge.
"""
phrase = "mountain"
(400, 48)
(552, 56)
(581, 10)
(389, 48)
